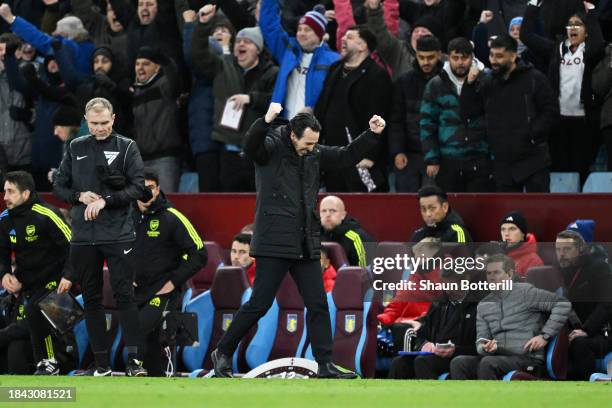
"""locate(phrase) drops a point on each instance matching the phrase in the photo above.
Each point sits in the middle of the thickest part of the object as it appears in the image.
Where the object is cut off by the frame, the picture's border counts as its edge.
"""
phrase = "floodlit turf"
(187, 392)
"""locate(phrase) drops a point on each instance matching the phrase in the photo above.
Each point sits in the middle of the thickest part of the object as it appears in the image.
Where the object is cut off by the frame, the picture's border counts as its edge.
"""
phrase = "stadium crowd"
(479, 96)
(188, 78)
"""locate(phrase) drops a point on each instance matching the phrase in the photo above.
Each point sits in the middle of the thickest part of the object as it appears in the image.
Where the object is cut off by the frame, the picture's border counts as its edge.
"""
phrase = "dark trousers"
(207, 166)
(413, 176)
(151, 315)
(421, 367)
(465, 175)
(237, 172)
(488, 367)
(270, 273)
(571, 148)
(16, 358)
(539, 182)
(40, 330)
(583, 352)
(88, 261)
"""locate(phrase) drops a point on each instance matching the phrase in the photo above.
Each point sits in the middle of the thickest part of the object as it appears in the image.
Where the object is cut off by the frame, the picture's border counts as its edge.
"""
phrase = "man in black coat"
(404, 132)
(287, 227)
(521, 108)
(355, 89)
(588, 285)
(450, 320)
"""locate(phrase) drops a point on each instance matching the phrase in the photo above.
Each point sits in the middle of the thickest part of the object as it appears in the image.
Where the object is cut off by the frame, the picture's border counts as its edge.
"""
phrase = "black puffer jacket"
(287, 223)
(353, 239)
(80, 171)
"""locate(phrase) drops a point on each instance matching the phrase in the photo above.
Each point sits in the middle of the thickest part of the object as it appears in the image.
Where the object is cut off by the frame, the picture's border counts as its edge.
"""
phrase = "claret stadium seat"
(337, 255)
(215, 309)
(203, 279)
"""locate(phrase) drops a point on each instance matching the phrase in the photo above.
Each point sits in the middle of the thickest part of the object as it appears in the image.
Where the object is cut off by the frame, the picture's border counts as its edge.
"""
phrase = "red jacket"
(411, 304)
(525, 256)
(329, 278)
(251, 273)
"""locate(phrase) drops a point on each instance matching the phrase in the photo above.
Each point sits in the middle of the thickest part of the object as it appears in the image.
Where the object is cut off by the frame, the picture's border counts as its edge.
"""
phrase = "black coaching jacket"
(167, 248)
(287, 223)
(86, 166)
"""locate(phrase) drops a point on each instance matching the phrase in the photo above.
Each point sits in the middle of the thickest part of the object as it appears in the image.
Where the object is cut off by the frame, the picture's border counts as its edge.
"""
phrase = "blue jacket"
(288, 54)
(81, 51)
(200, 110)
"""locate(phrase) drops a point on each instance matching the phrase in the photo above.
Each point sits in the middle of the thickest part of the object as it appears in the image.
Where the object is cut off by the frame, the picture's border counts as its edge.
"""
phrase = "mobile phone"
(482, 340)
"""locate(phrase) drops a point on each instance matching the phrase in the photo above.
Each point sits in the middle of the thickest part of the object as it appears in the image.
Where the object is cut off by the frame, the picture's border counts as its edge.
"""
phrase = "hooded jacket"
(351, 237)
(86, 166)
(40, 238)
(167, 248)
(525, 256)
(450, 229)
(445, 129)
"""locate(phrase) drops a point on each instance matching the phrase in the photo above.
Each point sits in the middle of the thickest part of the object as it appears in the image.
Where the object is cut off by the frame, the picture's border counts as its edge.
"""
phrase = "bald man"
(338, 226)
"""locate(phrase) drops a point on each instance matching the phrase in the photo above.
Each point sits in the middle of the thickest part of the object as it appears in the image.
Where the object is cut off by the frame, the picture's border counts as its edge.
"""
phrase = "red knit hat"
(316, 20)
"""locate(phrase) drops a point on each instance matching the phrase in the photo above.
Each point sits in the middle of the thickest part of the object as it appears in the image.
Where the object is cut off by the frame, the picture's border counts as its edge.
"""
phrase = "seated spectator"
(518, 243)
(404, 135)
(69, 31)
(455, 147)
(450, 319)
(239, 255)
(243, 80)
(329, 272)
(355, 89)
(570, 71)
(296, 87)
(340, 227)
(156, 116)
(588, 285)
(513, 327)
(441, 222)
(518, 124)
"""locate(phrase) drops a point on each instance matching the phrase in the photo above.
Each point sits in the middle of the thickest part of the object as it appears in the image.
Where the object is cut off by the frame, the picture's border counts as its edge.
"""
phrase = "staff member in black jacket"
(287, 227)
(451, 318)
(40, 238)
(168, 251)
(101, 174)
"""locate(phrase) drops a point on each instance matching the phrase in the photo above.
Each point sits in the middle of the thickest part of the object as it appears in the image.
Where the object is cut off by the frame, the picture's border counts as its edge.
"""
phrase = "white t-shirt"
(571, 71)
(295, 99)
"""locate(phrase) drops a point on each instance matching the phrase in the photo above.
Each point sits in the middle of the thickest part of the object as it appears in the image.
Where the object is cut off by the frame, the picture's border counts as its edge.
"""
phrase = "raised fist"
(273, 111)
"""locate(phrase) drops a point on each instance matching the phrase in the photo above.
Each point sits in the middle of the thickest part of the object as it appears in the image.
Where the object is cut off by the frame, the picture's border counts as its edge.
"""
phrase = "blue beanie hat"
(515, 21)
(586, 228)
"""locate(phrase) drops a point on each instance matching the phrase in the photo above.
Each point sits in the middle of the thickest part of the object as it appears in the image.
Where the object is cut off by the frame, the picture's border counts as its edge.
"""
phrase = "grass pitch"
(187, 392)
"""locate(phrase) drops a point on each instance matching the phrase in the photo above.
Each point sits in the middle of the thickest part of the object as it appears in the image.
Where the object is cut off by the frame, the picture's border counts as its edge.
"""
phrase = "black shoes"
(134, 368)
(94, 371)
(47, 367)
(330, 370)
(222, 364)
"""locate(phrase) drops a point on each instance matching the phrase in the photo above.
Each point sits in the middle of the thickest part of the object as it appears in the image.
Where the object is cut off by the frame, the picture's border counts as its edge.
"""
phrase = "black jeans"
(88, 261)
(237, 172)
(207, 166)
(270, 273)
(470, 175)
(539, 182)
(583, 351)
(413, 176)
(571, 148)
(421, 367)
(489, 367)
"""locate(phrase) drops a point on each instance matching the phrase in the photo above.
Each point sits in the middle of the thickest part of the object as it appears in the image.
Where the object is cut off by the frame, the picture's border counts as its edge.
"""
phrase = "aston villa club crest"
(292, 323)
(349, 323)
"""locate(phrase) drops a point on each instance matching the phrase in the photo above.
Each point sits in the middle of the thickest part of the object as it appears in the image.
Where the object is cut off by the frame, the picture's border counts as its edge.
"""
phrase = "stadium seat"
(544, 277)
(82, 337)
(598, 183)
(556, 361)
(337, 256)
(388, 249)
(203, 279)
(564, 182)
(546, 251)
(353, 319)
(189, 183)
(216, 309)
(602, 363)
(280, 332)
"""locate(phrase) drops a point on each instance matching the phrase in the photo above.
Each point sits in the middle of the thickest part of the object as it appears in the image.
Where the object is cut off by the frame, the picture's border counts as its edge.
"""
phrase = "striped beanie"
(316, 20)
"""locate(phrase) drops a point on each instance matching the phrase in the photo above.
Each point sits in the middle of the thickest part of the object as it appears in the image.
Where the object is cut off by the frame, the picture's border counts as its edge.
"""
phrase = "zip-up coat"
(287, 223)
(84, 159)
(167, 248)
(351, 236)
(513, 317)
(450, 229)
(40, 238)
